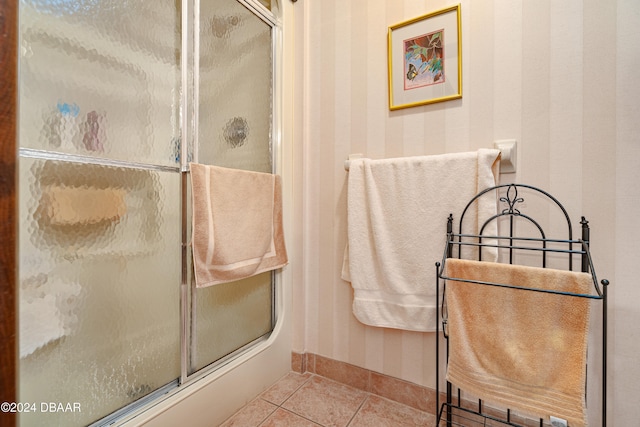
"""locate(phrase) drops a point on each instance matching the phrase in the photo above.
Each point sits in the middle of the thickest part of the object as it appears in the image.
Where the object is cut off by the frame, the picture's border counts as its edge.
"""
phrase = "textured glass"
(234, 130)
(235, 85)
(230, 316)
(100, 245)
(101, 78)
(100, 269)
(99, 287)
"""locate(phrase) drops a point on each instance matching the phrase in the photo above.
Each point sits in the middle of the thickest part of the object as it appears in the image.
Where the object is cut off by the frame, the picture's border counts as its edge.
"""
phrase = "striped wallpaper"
(560, 77)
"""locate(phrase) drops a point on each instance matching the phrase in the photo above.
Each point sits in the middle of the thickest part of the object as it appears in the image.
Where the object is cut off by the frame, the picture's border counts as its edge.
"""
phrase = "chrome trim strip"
(214, 366)
(195, 65)
(260, 11)
(135, 405)
(185, 136)
(78, 158)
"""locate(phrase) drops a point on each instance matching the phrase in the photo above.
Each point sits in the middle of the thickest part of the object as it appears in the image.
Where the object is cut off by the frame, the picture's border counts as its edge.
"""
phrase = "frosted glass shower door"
(116, 97)
(100, 214)
(235, 114)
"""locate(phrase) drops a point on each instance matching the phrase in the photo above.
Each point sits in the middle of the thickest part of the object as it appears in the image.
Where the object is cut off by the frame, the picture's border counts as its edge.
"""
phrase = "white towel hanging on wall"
(397, 211)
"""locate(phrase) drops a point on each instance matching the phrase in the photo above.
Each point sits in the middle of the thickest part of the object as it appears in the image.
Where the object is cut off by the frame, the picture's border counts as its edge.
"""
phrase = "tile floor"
(309, 400)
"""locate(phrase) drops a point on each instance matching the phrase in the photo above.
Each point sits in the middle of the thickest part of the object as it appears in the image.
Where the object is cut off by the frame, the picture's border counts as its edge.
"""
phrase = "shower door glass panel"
(235, 73)
(104, 77)
(234, 130)
(100, 232)
(99, 312)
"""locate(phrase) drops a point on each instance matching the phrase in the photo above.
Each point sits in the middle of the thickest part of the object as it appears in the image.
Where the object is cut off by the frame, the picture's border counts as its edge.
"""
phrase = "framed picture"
(425, 59)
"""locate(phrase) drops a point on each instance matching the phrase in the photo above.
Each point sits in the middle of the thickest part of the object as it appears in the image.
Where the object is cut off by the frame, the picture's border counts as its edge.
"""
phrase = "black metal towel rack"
(510, 244)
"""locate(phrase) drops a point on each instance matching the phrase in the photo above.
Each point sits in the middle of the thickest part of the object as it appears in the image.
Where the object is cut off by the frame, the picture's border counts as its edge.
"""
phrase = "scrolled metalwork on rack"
(511, 201)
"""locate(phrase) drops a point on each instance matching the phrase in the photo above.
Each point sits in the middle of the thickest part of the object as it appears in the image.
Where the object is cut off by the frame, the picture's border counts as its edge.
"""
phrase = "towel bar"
(351, 157)
(507, 149)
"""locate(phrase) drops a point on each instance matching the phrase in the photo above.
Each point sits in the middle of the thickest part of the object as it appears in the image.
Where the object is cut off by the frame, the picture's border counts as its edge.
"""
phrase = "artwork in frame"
(425, 59)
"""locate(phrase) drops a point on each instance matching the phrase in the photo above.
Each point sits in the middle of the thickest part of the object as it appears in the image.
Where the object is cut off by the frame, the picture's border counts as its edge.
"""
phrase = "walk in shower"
(116, 98)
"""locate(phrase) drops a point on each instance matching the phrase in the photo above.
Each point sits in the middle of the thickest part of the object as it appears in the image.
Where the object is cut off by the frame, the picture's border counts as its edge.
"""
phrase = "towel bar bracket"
(353, 156)
(507, 149)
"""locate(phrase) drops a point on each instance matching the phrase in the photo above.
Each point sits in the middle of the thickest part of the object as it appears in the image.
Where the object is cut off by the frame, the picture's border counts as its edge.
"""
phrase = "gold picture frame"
(425, 59)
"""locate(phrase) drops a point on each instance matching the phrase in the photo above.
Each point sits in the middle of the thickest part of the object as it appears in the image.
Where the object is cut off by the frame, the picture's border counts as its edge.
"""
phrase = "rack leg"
(437, 343)
(605, 285)
(449, 417)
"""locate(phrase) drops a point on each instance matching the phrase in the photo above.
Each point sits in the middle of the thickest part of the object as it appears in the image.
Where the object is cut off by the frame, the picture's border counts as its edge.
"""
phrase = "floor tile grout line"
(280, 406)
(267, 417)
(366, 398)
(302, 416)
(289, 411)
(297, 389)
(291, 394)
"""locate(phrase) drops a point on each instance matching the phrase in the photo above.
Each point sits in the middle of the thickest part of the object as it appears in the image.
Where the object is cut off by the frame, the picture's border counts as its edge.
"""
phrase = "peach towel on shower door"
(523, 349)
(237, 224)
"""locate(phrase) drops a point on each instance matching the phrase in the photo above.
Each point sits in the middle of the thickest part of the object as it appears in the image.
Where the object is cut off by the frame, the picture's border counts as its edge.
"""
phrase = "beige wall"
(558, 76)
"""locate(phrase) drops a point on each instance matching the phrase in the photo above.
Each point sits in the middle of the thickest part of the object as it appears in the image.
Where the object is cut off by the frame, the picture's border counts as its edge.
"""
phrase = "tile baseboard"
(401, 391)
(395, 389)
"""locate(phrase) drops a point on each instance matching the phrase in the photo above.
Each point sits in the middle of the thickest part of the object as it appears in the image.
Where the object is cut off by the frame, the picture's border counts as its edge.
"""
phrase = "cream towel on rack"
(237, 224)
(397, 214)
(523, 349)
